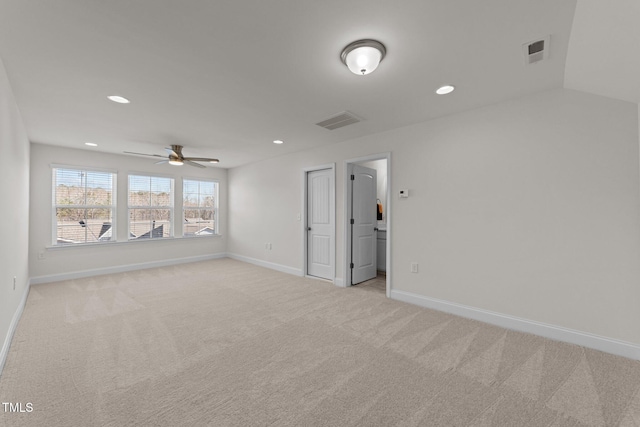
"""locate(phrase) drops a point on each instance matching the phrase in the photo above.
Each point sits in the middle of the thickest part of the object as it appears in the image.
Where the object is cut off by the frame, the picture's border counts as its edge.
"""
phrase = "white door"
(364, 224)
(320, 246)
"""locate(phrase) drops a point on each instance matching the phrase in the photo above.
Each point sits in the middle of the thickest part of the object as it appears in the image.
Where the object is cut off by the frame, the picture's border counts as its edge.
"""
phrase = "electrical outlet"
(41, 255)
(299, 217)
(414, 267)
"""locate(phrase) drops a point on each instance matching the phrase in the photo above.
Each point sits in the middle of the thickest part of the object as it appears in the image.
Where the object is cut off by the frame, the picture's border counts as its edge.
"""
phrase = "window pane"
(139, 222)
(145, 194)
(98, 225)
(206, 201)
(139, 190)
(99, 189)
(198, 222)
(68, 226)
(69, 187)
(190, 186)
(161, 191)
(206, 187)
(78, 195)
(190, 200)
(162, 224)
(83, 225)
(198, 207)
(160, 198)
(149, 223)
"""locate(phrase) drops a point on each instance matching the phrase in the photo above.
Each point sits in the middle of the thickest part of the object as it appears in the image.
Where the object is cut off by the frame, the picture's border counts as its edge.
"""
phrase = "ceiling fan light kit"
(176, 158)
(362, 57)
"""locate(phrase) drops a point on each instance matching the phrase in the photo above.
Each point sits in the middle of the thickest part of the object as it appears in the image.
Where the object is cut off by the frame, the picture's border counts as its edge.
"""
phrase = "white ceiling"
(604, 51)
(225, 78)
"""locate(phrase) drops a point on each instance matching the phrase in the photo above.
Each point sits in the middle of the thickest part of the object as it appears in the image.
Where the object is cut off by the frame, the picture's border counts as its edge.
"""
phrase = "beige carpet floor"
(224, 343)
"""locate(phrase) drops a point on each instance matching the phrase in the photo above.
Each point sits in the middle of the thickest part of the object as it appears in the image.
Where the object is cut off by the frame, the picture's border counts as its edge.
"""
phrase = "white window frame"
(55, 206)
(216, 218)
(171, 209)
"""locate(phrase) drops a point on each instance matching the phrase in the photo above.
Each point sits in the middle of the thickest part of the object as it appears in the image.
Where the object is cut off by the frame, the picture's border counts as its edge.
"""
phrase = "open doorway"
(367, 221)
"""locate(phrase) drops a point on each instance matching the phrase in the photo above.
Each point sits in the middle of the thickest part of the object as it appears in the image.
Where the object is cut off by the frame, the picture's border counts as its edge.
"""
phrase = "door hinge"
(351, 265)
(353, 177)
(352, 221)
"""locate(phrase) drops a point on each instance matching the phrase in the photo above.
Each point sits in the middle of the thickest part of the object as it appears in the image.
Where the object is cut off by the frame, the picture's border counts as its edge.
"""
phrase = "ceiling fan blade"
(189, 162)
(144, 154)
(202, 159)
(161, 162)
(171, 152)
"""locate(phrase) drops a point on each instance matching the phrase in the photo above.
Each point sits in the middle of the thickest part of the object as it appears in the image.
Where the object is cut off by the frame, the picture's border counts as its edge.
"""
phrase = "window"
(84, 206)
(200, 206)
(150, 207)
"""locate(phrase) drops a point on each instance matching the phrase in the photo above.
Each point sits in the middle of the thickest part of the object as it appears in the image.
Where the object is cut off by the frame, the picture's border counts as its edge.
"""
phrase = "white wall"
(14, 227)
(529, 208)
(63, 262)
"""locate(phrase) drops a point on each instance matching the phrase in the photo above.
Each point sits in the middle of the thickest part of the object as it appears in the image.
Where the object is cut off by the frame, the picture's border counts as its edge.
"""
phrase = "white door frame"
(347, 215)
(332, 215)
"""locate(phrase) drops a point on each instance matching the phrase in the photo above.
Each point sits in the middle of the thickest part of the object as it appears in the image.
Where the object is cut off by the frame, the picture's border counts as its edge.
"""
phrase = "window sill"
(128, 242)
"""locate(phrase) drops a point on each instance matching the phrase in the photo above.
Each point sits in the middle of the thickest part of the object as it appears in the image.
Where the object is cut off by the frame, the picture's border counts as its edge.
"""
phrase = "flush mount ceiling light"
(278, 141)
(119, 99)
(91, 144)
(363, 56)
(445, 90)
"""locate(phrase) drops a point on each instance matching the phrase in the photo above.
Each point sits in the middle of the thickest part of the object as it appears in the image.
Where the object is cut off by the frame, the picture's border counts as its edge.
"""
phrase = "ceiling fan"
(176, 158)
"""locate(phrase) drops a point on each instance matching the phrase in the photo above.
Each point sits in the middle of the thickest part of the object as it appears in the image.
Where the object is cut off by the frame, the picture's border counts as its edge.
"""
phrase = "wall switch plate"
(414, 267)
(299, 217)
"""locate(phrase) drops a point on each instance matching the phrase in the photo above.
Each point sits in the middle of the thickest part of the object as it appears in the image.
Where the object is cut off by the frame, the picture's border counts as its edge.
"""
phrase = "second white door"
(320, 245)
(364, 224)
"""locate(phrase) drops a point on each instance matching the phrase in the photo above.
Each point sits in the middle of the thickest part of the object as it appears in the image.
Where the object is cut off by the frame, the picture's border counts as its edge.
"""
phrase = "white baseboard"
(122, 268)
(267, 264)
(12, 327)
(339, 281)
(557, 333)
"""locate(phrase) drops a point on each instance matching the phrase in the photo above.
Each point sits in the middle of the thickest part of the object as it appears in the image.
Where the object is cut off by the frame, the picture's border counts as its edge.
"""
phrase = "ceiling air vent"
(342, 119)
(536, 51)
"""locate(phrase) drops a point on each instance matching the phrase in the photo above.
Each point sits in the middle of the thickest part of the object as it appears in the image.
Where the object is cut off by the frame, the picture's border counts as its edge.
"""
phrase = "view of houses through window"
(150, 207)
(84, 206)
(199, 207)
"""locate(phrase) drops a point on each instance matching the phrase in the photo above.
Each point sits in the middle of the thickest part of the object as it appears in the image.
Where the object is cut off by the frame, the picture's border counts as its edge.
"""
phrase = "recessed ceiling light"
(278, 141)
(119, 99)
(445, 90)
(91, 144)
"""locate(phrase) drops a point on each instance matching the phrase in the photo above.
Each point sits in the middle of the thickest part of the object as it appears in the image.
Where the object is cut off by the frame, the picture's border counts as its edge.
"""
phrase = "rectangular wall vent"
(342, 119)
(536, 51)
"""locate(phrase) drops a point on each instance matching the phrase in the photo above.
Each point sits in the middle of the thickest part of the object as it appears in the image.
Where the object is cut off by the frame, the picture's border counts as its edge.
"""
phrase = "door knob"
(308, 228)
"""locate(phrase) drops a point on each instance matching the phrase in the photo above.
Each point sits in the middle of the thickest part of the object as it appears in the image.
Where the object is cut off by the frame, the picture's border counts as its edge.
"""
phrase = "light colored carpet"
(225, 343)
